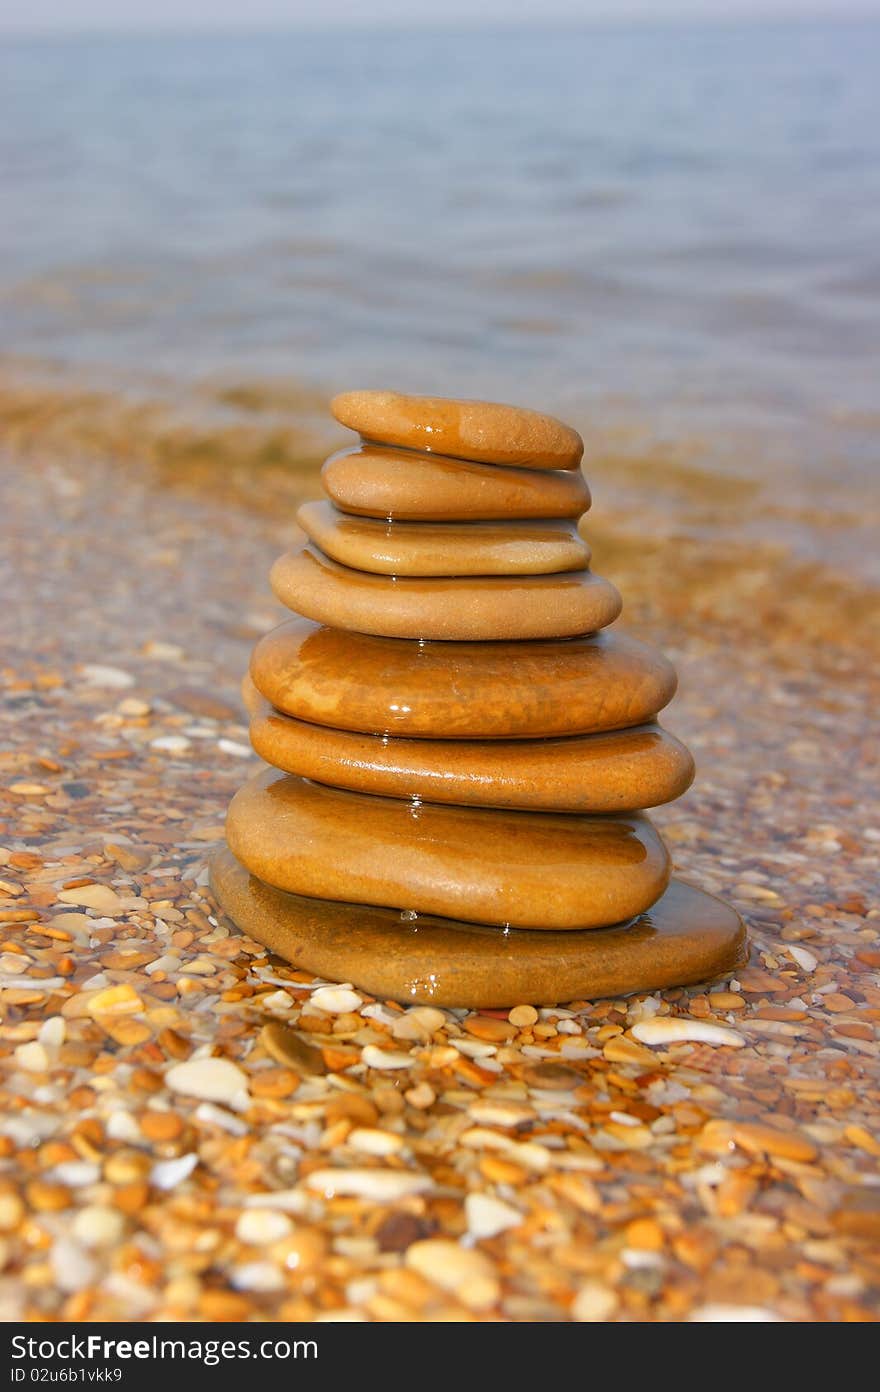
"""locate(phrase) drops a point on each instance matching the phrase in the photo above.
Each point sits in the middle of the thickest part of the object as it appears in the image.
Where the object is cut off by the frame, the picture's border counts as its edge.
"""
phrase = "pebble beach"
(193, 1129)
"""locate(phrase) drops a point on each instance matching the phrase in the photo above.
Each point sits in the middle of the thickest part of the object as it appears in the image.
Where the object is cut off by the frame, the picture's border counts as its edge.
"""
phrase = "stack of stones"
(460, 753)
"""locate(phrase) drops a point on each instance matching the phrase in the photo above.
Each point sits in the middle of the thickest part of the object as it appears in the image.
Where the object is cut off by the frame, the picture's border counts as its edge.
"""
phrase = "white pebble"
(373, 1141)
(236, 750)
(467, 1274)
(122, 1126)
(490, 1112)
(13, 963)
(336, 1000)
(167, 1174)
(32, 1057)
(804, 959)
(211, 1115)
(170, 744)
(72, 1268)
(475, 1048)
(211, 1079)
(53, 1032)
(486, 1217)
(277, 1000)
(77, 1174)
(594, 1303)
(420, 1022)
(383, 1185)
(131, 705)
(733, 1314)
(381, 1013)
(286, 1200)
(668, 1029)
(30, 983)
(260, 1226)
(374, 1057)
(257, 1276)
(112, 677)
(97, 1226)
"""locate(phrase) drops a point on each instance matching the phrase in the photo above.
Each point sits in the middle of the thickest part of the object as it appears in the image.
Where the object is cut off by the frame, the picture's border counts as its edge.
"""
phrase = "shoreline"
(688, 532)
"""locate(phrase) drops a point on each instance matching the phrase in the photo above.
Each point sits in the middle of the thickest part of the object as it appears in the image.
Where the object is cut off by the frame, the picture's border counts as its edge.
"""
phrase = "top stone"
(484, 431)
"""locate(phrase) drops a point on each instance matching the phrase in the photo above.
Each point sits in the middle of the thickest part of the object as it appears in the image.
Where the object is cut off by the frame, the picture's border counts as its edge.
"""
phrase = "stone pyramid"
(460, 752)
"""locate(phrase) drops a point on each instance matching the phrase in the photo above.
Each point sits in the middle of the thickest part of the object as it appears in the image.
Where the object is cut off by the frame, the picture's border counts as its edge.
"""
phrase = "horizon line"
(648, 20)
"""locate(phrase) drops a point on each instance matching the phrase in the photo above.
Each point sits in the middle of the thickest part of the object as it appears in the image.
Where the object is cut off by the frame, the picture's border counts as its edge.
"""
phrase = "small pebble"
(260, 1226)
(594, 1303)
(419, 1022)
(487, 1217)
(374, 1057)
(169, 1173)
(97, 1226)
(257, 1276)
(52, 1032)
(93, 896)
(233, 748)
(171, 744)
(211, 1079)
(523, 1016)
(336, 1000)
(11, 1210)
(72, 1268)
(804, 958)
(371, 1141)
(134, 707)
(32, 1057)
(383, 1185)
(465, 1273)
(669, 1029)
(733, 1314)
(113, 678)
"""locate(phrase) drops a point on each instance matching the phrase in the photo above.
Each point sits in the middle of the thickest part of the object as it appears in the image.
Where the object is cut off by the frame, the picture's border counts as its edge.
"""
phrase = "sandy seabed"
(348, 1158)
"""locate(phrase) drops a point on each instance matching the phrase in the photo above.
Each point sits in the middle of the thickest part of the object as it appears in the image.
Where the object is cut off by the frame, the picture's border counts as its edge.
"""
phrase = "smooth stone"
(352, 681)
(444, 548)
(538, 870)
(467, 608)
(376, 482)
(485, 431)
(686, 937)
(623, 771)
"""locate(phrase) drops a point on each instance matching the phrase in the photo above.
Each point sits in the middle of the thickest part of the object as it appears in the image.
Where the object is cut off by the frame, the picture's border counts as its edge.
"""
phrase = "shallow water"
(673, 227)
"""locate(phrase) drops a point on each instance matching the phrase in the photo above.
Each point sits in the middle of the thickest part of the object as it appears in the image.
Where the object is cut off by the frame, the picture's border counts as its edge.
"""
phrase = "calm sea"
(682, 220)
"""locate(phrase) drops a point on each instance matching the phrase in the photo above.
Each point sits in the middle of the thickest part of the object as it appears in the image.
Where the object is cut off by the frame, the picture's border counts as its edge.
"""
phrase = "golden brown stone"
(486, 431)
(353, 681)
(459, 608)
(617, 772)
(377, 481)
(687, 936)
(444, 548)
(537, 870)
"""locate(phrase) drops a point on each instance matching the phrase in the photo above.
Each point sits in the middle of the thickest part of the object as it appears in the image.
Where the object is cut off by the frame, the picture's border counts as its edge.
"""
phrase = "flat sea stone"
(380, 686)
(621, 771)
(686, 937)
(444, 548)
(375, 481)
(485, 431)
(538, 870)
(465, 608)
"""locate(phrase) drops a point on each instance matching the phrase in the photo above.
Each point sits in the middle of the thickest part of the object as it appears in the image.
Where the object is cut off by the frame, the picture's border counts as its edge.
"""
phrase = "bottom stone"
(686, 937)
